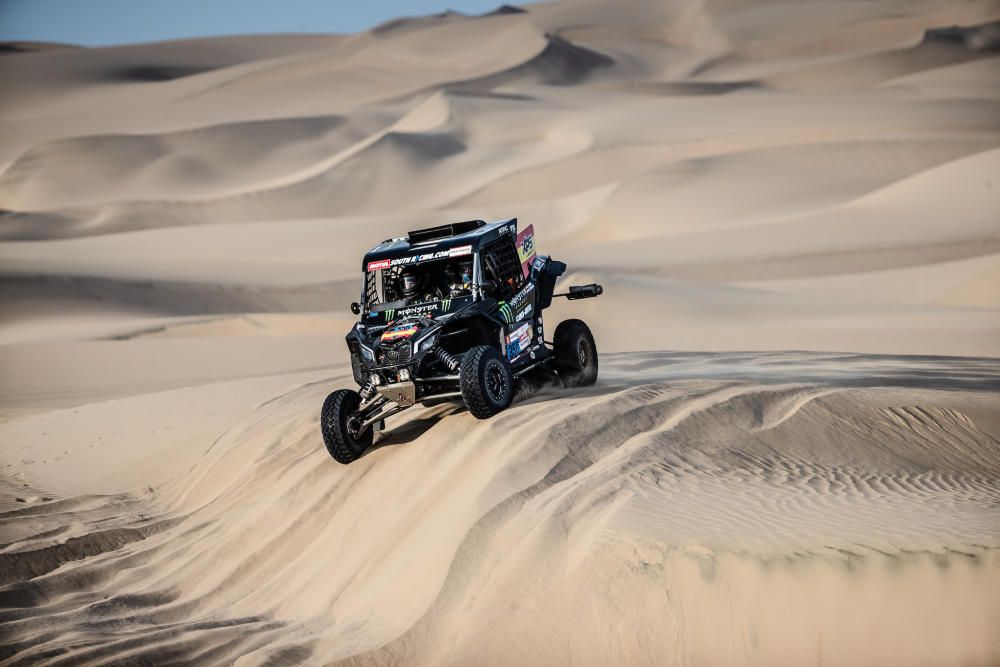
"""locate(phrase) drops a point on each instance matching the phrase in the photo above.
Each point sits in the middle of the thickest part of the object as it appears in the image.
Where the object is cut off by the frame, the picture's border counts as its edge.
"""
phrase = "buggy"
(453, 313)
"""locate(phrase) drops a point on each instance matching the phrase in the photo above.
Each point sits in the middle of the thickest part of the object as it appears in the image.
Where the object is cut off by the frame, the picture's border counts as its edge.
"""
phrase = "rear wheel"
(341, 426)
(576, 354)
(486, 382)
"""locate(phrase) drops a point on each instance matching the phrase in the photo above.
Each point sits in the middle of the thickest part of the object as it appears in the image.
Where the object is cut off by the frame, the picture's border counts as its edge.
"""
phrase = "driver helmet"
(408, 284)
(465, 273)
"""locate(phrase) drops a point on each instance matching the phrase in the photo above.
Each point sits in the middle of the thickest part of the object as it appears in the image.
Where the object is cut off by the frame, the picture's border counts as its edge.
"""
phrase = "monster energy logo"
(446, 304)
(507, 310)
(388, 314)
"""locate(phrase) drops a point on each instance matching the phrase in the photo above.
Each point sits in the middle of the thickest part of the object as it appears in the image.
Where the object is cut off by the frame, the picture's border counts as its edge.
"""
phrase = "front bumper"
(388, 361)
(403, 394)
(401, 363)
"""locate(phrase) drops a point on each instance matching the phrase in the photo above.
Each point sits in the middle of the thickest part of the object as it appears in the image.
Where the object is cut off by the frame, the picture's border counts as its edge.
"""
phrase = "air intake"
(443, 231)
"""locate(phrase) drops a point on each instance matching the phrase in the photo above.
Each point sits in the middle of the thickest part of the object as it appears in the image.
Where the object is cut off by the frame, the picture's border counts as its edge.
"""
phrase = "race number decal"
(526, 248)
(518, 341)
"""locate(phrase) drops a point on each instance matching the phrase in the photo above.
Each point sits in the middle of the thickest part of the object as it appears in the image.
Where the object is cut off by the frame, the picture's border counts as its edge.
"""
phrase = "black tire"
(576, 354)
(359, 374)
(529, 384)
(335, 423)
(523, 390)
(486, 382)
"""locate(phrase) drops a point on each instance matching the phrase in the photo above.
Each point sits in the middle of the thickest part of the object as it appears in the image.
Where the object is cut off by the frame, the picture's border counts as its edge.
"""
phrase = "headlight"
(404, 374)
(367, 354)
(427, 343)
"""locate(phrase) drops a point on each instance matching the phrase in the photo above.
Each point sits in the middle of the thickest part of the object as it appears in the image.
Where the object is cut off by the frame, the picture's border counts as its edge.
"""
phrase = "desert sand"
(792, 455)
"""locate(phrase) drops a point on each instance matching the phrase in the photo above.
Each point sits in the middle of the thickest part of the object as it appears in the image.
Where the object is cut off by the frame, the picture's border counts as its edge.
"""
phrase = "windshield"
(397, 287)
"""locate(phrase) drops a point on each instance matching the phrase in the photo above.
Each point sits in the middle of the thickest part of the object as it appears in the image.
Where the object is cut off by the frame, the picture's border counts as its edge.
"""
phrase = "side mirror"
(584, 291)
(355, 307)
(555, 268)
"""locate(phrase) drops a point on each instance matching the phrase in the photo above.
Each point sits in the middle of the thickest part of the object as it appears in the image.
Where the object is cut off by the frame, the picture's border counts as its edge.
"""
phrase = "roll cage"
(496, 264)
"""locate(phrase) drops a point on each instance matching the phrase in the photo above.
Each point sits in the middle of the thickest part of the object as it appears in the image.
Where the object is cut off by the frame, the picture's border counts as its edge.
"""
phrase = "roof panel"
(397, 249)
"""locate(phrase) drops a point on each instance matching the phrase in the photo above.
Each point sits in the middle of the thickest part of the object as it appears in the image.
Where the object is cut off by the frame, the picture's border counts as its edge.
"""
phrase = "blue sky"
(107, 22)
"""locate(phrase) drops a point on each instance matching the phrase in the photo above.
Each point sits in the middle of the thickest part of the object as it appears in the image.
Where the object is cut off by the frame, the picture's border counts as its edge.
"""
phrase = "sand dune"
(181, 226)
(691, 482)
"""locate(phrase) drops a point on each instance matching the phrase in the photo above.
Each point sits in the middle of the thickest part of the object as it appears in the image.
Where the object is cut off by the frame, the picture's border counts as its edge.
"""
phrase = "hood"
(431, 310)
(400, 331)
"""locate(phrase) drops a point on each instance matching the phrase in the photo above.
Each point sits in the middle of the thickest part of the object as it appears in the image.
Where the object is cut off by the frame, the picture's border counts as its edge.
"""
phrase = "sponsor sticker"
(526, 248)
(398, 332)
(419, 309)
(518, 301)
(414, 259)
(518, 340)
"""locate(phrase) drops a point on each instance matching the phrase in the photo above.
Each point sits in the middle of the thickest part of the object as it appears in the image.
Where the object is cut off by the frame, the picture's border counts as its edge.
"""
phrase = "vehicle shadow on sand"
(410, 430)
(830, 369)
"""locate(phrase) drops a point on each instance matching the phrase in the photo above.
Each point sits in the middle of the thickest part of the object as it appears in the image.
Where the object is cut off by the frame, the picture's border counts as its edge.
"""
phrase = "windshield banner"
(429, 309)
(415, 259)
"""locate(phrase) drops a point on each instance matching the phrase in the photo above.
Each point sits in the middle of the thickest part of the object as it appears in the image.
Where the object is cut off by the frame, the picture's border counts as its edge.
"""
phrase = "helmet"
(465, 273)
(408, 284)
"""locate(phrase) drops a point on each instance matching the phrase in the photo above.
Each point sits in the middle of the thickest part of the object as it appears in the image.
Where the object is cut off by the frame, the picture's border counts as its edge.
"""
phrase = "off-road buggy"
(453, 313)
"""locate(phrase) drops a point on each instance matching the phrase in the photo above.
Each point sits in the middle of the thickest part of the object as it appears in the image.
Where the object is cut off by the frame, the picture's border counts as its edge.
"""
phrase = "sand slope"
(180, 231)
(690, 508)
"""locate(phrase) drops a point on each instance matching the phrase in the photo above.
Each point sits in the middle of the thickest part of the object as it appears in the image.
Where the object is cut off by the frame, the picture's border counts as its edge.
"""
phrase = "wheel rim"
(581, 353)
(354, 426)
(495, 385)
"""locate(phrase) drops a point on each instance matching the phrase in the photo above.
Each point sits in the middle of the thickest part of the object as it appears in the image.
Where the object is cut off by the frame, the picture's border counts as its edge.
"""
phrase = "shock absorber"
(368, 390)
(448, 360)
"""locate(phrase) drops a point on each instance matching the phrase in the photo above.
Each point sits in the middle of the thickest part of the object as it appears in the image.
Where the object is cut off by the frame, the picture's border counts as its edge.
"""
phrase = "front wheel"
(487, 385)
(341, 426)
(576, 354)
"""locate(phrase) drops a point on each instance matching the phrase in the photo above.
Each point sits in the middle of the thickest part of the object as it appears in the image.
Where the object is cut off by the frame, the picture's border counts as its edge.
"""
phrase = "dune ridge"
(513, 511)
(856, 149)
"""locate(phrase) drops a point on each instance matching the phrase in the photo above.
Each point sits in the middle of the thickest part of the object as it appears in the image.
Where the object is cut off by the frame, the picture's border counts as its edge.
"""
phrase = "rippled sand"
(689, 508)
